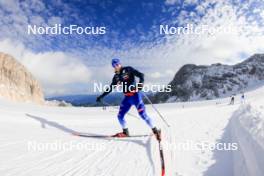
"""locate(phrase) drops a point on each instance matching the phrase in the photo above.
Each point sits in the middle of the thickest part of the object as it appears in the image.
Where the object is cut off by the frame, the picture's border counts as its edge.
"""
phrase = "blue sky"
(70, 64)
(126, 22)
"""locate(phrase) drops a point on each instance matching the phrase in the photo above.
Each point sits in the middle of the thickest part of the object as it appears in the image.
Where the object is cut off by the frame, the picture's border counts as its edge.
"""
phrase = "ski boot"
(157, 133)
(125, 133)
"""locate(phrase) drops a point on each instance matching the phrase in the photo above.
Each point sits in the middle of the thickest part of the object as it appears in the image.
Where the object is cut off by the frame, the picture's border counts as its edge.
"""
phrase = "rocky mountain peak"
(197, 82)
(17, 83)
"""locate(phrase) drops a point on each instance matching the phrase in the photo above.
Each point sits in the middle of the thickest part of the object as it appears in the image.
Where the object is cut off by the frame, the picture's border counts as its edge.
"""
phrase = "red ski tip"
(163, 172)
(120, 135)
(75, 134)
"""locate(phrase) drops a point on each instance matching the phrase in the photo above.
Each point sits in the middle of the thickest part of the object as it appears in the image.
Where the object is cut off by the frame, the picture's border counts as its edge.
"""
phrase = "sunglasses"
(115, 65)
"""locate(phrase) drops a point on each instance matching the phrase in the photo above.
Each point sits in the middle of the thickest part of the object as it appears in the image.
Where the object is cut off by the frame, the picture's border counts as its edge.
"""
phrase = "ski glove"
(140, 86)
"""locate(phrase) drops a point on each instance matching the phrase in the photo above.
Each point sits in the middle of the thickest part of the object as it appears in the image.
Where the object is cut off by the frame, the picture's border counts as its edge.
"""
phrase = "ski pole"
(156, 109)
(108, 104)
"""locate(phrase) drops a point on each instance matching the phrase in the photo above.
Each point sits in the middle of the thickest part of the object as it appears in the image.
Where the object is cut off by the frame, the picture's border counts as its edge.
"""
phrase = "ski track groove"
(109, 165)
(111, 154)
(51, 168)
(17, 161)
(11, 143)
(93, 155)
(33, 166)
(77, 165)
(83, 162)
(129, 165)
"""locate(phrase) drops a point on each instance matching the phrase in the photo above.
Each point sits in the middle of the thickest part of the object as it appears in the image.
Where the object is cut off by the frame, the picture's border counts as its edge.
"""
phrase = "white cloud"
(54, 20)
(11, 5)
(161, 75)
(156, 75)
(55, 70)
(200, 9)
(37, 20)
(17, 15)
(37, 5)
(190, 2)
(171, 2)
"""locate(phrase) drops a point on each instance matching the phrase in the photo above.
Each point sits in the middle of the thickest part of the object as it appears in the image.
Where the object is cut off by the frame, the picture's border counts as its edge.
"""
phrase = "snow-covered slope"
(248, 131)
(37, 140)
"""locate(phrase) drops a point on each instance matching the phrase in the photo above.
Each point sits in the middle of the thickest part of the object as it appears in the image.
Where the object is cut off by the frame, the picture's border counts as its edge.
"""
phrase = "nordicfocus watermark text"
(64, 146)
(204, 29)
(189, 145)
(123, 87)
(58, 29)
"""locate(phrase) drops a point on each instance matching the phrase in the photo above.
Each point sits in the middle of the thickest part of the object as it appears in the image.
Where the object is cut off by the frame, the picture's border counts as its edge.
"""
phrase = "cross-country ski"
(110, 136)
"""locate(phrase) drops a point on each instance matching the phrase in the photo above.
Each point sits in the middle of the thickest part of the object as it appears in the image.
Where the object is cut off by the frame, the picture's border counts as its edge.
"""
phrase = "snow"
(248, 131)
(37, 140)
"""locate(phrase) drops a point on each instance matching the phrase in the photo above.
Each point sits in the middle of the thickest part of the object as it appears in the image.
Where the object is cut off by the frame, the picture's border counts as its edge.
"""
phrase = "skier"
(126, 77)
(232, 100)
(242, 98)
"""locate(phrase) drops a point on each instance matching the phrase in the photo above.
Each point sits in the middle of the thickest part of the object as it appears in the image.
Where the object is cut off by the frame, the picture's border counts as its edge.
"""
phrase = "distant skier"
(232, 100)
(125, 76)
(242, 98)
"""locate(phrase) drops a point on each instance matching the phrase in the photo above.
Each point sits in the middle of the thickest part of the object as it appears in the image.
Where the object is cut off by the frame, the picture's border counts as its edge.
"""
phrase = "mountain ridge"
(204, 82)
